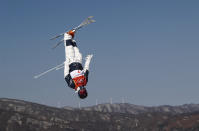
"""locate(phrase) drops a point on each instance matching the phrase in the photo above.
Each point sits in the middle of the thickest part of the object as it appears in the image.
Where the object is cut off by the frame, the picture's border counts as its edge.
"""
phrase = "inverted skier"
(75, 75)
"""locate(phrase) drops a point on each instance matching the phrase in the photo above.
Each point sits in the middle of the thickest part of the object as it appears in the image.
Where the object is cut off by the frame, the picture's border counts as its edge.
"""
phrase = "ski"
(54, 68)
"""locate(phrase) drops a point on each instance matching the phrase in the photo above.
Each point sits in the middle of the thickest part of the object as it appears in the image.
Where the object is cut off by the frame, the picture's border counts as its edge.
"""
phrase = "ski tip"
(91, 20)
(35, 77)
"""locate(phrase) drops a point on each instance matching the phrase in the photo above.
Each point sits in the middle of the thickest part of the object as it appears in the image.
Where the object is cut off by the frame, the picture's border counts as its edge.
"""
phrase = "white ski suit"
(74, 74)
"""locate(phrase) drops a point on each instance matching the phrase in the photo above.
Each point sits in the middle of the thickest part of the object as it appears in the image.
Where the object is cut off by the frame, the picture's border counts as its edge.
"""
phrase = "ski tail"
(60, 66)
(58, 44)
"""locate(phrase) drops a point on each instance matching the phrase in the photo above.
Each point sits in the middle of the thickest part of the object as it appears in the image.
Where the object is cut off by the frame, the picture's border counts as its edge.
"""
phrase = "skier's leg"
(66, 68)
(69, 50)
(69, 54)
(78, 55)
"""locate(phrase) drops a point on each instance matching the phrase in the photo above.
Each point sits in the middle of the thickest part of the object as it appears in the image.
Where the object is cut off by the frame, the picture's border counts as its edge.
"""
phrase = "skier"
(75, 75)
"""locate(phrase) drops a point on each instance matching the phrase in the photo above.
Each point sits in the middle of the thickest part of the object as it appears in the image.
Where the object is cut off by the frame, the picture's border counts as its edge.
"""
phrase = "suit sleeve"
(86, 75)
(70, 81)
(87, 63)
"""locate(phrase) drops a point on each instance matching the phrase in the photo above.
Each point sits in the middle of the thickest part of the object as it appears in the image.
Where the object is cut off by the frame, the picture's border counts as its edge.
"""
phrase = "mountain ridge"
(137, 109)
(19, 115)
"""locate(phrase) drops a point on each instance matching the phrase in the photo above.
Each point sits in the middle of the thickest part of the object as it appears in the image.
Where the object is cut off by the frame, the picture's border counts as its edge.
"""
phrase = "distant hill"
(136, 109)
(18, 115)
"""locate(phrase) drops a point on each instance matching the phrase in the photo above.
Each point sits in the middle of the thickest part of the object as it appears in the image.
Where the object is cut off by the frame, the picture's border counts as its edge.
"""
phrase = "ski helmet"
(82, 93)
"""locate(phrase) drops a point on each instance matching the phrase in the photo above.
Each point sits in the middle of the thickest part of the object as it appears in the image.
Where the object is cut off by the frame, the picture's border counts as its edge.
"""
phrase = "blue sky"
(144, 51)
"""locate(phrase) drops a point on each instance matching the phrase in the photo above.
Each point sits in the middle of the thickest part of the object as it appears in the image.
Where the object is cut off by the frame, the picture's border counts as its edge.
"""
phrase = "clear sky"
(146, 52)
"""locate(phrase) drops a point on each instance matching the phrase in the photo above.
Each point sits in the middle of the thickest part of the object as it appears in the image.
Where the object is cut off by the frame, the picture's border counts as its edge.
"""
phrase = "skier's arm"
(86, 66)
(70, 81)
(87, 63)
(86, 75)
